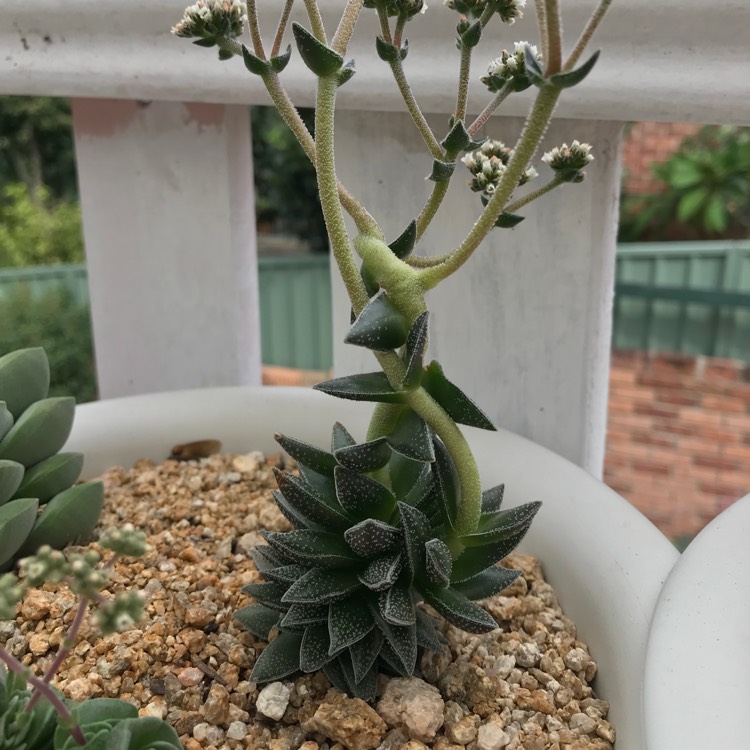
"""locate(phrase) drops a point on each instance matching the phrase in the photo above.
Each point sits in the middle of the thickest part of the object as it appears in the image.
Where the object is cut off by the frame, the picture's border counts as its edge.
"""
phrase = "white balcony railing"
(165, 172)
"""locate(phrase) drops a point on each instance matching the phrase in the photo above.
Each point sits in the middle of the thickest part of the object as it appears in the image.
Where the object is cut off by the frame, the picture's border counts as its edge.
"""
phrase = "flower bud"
(510, 67)
(209, 19)
(569, 161)
(488, 164)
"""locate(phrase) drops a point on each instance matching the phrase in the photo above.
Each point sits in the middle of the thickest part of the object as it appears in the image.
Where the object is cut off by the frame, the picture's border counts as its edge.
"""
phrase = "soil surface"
(524, 686)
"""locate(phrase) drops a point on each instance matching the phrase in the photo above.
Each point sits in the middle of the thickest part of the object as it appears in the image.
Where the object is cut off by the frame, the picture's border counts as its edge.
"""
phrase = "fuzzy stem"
(587, 33)
(427, 214)
(487, 112)
(554, 37)
(252, 20)
(281, 28)
(316, 21)
(399, 31)
(346, 26)
(521, 202)
(541, 19)
(462, 96)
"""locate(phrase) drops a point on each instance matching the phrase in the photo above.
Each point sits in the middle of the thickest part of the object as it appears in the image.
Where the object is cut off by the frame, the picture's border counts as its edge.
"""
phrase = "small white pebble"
(273, 700)
(237, 731)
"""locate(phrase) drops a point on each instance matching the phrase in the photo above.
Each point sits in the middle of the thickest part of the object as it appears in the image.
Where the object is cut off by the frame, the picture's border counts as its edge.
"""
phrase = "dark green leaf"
(318, 460)
(574, 77)
(404, 51)
(380, 326)
(225, 54)
(279, 659)
(416, 345)
(403, 245)
(404, 474)
(438, 562)
(286, 574)
(471, 37)
(492, 499)
(268, 594)
(401, 641)
(258, 619)
(502, 525)
(328, 514)
(458, 610)
(416, 528)
(427, 634)
(280, 62)
(349, 620)
(411, 437)
(314, 649)
(363, 497)
(423, 491)
(346, 73)
(297, 520)
(533, 71)
(335, 674)
(386, 52)
(254, 64)
(371, 538)
(459, 406)
(447, 487)
(476, 559)
(322, 586)
(304, 614)
(370, 386)
(382, 572)
(365, 457)
(340, 438)
(396, 605)
(508, 221)
(441, 170)
(458, 139)
(321, 486)
(371, 285)
(364, 652)
(322, 60)
(265, 557)
(487, 583)
(207, 42)
(366, 688)
(319, 548)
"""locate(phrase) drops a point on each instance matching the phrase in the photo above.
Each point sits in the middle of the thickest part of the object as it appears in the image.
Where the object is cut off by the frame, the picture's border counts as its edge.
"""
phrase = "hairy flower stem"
(346, 26)
(554, 37)
(281, 28)
(462, 97)
(541, 19)
(316, 21)
(252, 19)
(591, 26)
(488, 111)
(427, 214)
(556, 181)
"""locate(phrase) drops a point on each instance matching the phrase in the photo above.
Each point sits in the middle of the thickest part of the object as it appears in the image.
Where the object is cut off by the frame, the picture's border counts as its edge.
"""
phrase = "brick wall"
(678, 437)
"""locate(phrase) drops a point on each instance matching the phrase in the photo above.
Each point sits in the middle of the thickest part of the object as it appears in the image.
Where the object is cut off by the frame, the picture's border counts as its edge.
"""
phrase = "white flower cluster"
(207, 19)
(508, 10)
(509, 65)
(573, 157)
(488, 164)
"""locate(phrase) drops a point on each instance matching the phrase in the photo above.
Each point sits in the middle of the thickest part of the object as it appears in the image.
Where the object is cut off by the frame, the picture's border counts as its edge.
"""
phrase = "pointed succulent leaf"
(69, 516)
(427, 634)
(304, 614)
(573, 77)
(258, 619)
(362, 497)
(364, 653)
(11, 476)
(371, 285)
(254, 64)
(416, 528)
(403, 245)
(382, 572)
(492, 499)
(380, 326)
(279, 659)
(416, 345)
(297, 520)
(39, 432)
(487, 583)
(405, 473)
(349, 620)
(286, 574)
(141, 732)
(320, 548)
(411, 437)
(318, 460)
(396, 604)
(369, 386)
(322, 586)
(474, 560)
(508, 221)
(386, 52)
(404, 51)
(323, 487)
(279, 62)
(269, 594)
(438, 562)
(534, 71)
(366, 688)
(313, 653)
(328, 514)
(447, 487)
(458, 610)
(422, 493)
(346, 73)
(458, 139)
(6, 420)
(341, 438)
(441, 170)
(265, 557)
(322, 60)
(458, 405)
(24, 379)
(401, 642)
(16, 521)
(371, 538)
(470, 38)
(51, 476)
(335, 674)
(502, 525)
(365, 457)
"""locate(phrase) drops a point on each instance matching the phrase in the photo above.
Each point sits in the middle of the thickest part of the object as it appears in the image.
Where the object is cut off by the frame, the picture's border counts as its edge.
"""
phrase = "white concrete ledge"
(681, 60)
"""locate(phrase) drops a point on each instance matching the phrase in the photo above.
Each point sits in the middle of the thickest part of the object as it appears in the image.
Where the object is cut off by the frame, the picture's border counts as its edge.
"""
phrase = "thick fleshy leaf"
(534, 71)
(470, 38)
(349, 620)
(396, 604)
(24, 379)
(268, 594)
(487, 583)
(492, 499)
(439, 562)
(458, 405)
(322, 587)
(11, 476)
(405, 473)
(16, 521)
(346, 73)
(502, 525)
(254, 64)
(6, 420)
(51, 476)
(386, 52)
(417, 531)
(39, 432)
(423, 494)
(403, 245)
(279, 658)
(303, 453)
(68, 517)
(320, 485)
(476, 559)
(441, 170)
(362, 497)
(297, 520)
(265, 557)
(447, 488)
(382, 572)
(411, 437)
(371, 286)
(258, 619)
(364, 653)
(508, 221)
(368, 386)
(286, 574)
(322, 60)
(279, 62)
(304, 614)
(365, 457)
(372, 538)
(314, 649)
(340, 438)
(458, 139)
(573, 77)
(309, 505)
(459, 611)
(401, 642)
(366, 688)
(427, 634)
(143, 733)
(416, 346)
(335, 674)
(380, 326)
(319, 548)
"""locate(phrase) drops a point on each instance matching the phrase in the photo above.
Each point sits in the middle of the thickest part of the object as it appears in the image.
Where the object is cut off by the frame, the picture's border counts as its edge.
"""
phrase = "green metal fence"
(692, 298)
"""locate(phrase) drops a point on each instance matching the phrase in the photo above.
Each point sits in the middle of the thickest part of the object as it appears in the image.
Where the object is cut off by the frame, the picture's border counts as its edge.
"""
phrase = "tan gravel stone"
(349, 721)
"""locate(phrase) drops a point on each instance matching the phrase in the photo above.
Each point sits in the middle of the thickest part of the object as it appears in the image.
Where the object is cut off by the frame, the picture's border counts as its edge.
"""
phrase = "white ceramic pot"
(606, 560)
(698, 657)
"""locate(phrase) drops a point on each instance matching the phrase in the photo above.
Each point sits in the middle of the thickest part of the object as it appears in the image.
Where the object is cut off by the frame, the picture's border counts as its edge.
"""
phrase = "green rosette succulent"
(33, 473)
(19, 729)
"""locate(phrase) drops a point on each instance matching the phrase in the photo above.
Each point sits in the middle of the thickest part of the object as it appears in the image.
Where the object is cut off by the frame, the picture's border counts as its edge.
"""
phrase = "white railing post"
(169, 224)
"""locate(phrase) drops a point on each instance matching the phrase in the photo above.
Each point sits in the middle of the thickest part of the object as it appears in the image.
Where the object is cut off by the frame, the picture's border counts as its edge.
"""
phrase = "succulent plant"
(33, 428)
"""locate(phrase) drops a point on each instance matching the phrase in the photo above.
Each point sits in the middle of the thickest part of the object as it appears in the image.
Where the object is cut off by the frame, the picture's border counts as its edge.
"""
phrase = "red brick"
(712, 462)
(654, 438)
(652, 467)
(724, 403)
(740, 452)
(679, 397)
(665, 412)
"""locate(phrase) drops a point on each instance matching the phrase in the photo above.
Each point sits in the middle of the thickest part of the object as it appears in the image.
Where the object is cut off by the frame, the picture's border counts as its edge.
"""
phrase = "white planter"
(696, 689)
(606, 561)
